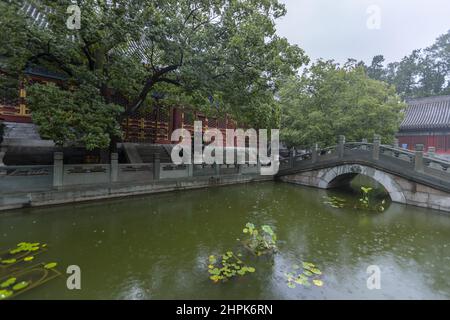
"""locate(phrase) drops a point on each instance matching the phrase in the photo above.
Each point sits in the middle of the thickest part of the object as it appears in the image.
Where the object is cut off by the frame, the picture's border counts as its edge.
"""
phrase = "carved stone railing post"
(432, 152)
(2, 155)
(291, 158)
(58, 169)
(376, 147)
(156, 166)
(239, 168)
(314, 153)
(190, 167)
(341, 146)
(258, 166)
(395, 144)
(418, 159)
(114, 167)
(364, 146)
(217, 169)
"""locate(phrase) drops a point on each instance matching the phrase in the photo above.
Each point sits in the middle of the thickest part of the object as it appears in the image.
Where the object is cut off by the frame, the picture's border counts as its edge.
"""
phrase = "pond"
(157, 246)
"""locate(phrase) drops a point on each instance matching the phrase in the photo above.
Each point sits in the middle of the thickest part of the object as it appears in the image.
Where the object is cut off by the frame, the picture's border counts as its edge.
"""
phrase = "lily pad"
(50, 265)
(5, 294)
(8, 282)
(29, 258)
(318, 283)
(316, 271)
(20, 285)
(9, 261)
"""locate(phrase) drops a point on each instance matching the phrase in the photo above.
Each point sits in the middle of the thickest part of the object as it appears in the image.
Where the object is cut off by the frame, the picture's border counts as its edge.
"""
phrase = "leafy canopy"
(221, 56)
(329, 100)
(424, 72)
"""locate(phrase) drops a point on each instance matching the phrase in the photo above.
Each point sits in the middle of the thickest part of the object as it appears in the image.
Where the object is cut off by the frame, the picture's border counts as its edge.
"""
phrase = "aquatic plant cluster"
(258, 241)
(302, 275)
(16, 273)
(227, 266)
(366, 202)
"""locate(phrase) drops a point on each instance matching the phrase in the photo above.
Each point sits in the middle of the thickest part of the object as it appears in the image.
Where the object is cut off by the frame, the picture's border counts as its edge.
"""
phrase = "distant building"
(427, 122)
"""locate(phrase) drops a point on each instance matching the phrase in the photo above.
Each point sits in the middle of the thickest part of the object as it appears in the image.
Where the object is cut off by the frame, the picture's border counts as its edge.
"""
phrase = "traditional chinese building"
(427, 122)
(155, 126)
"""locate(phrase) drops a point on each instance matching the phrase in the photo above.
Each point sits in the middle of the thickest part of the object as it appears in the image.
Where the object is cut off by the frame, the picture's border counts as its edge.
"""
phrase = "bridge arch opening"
(341, 176)
(351, 183)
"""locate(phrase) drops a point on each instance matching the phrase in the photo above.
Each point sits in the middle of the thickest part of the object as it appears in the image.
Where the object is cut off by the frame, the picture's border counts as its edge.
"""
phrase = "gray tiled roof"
(427, 113)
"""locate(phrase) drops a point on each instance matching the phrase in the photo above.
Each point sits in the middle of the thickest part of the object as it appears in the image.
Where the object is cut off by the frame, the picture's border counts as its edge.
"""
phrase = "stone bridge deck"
(409, 177)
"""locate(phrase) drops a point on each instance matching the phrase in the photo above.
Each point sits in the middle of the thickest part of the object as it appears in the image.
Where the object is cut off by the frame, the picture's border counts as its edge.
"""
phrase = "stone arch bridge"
(413, 178)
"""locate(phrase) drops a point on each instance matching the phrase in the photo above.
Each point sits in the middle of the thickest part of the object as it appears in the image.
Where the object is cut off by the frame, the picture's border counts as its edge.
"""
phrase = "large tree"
(424, 72)
(329, 100)
(210, 54)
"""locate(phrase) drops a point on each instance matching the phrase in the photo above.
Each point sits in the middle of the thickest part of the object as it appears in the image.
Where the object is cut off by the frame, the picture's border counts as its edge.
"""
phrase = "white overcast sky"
(337, 29)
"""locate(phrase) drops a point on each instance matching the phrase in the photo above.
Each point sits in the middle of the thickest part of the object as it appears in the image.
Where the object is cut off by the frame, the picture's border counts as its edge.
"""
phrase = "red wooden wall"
(440, 142)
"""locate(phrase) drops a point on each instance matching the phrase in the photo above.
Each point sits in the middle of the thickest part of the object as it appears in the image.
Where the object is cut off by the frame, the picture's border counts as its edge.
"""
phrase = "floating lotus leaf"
(9, 261)
(291, 285)
(29, 258)
(267, 229)
(50, 265)
(5, 294)
(251, 269)
(307, 273)
(302, 276)
(302, 282)
(318, 283)
(8, 282)
(316, 271)
(307, 266)
(20, 285)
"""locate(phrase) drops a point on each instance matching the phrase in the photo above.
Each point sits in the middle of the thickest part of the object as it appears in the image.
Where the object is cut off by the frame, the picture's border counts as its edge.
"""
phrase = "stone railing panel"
(86, 174)
(173, 171)
(24, 178)
(135, 172)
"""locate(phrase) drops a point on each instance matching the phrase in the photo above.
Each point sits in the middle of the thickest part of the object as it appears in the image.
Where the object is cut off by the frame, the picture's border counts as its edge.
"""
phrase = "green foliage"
(217, 55)
(365, 202)
(78, 116)
(227, 266)
(259, 241)
(329, 100)
(303, 275)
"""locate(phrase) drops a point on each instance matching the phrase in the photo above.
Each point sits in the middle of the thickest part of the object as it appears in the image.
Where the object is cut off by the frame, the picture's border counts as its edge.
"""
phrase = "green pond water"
(157, 246)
